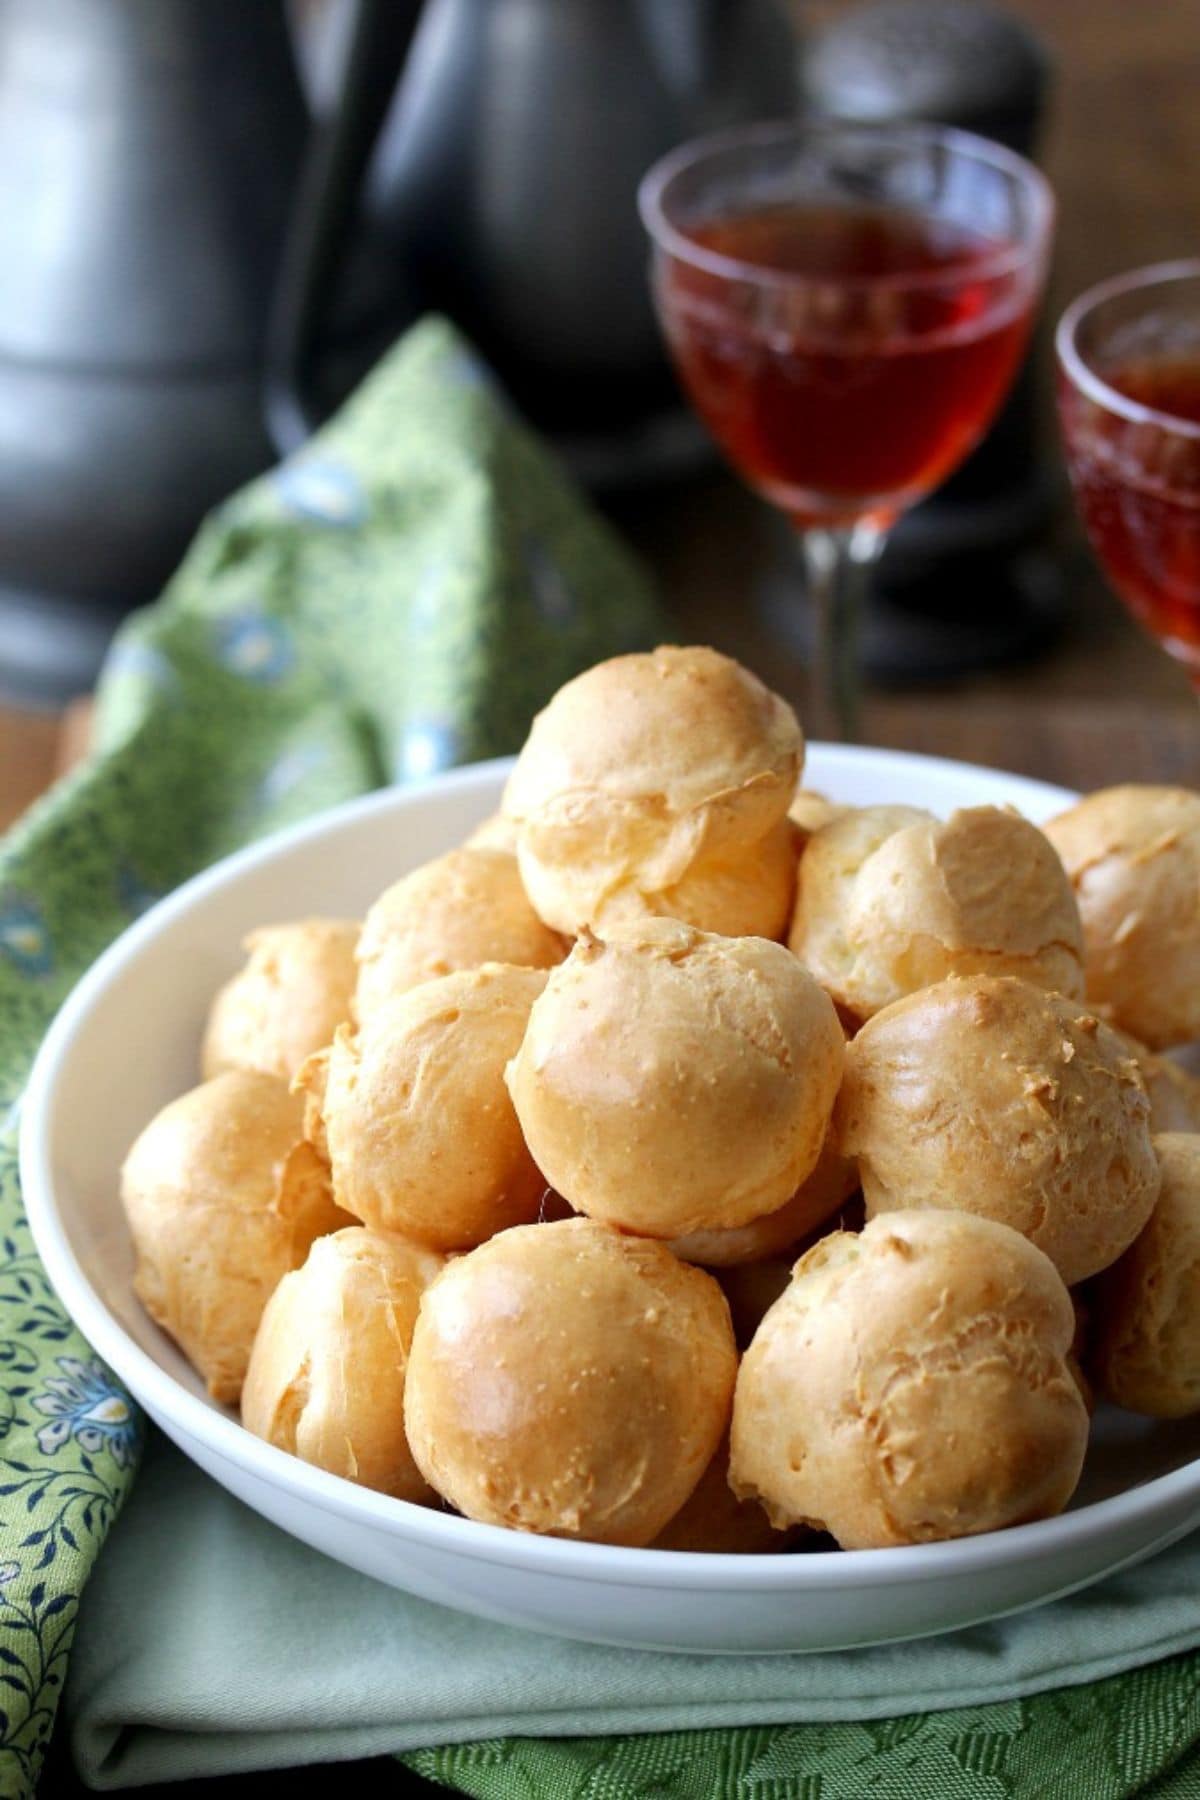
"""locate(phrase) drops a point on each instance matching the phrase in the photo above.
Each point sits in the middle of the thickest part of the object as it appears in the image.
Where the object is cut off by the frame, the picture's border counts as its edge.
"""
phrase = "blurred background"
(216, 214)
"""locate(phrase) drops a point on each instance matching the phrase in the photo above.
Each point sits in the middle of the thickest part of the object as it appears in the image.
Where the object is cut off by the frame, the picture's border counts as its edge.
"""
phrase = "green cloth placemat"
(331, 1665)
(1131, 1737)
(397, 598)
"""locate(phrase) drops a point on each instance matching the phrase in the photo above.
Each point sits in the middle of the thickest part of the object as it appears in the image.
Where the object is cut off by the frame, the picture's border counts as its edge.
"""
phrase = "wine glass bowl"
(846, 306)
(1129, 405)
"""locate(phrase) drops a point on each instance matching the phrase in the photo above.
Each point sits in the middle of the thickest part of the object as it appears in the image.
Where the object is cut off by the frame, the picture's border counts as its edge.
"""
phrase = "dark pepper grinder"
(964, 582)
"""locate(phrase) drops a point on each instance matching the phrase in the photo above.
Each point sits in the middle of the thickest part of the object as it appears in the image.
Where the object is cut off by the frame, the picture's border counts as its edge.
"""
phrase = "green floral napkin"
(397, 598)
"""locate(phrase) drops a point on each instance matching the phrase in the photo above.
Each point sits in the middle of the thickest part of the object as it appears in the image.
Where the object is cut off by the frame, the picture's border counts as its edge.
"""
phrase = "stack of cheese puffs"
(689, 1160)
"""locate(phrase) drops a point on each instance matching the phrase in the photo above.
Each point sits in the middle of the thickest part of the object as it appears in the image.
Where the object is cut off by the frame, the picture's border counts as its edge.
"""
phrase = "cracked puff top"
(911, 1384)
(413, 1113)
(286, 1002)
(1146, 1349)
(990, 1096)
(891, 899)
(1133, 856)
(660, 783)
(327, 1371)
(223, 1197)
(459, 911)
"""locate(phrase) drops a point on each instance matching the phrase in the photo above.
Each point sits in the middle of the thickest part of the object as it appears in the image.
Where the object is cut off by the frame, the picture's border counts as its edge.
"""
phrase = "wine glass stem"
(837, 565)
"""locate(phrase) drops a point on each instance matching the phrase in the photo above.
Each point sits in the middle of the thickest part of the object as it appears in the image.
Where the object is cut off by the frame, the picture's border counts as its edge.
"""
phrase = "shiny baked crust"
(223, 1197)
(891, 900)
(659, 783)
(1145, 1310)
(421, 1134)
(647, 1057)
(569, 1380)
(327, 1371)
(288, 1000)
(462, 910)
(1174, 1092)
(988, 1095)
(817, 1198)
(1133, 856)
(911, 1384)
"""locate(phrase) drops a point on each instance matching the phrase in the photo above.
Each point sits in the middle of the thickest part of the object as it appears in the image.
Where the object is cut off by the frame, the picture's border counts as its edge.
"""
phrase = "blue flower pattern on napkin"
(24, 939)
(255, 646)
(85, 1403)
(322, 490)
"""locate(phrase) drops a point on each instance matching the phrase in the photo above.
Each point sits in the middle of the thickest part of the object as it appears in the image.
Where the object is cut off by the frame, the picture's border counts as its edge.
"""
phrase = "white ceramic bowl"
(126, 1042)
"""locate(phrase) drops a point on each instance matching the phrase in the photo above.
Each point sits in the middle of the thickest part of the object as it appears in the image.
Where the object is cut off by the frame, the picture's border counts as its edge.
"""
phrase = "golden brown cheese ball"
(1145, 1310)
(287, 1002)
(1133, 856)
(891, 900)
(816, 1199)
(567, 1380)
(327, 1371)
(673, 1081)
(911, 1385)
(837, 850)
(715, 1521)
(659, 783)
(421, 1133)
(458, 912)
(223, 1198)
(988, 1095)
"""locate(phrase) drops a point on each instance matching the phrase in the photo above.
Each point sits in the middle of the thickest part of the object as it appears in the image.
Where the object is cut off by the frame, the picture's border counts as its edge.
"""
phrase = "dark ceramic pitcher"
(494, 148)
(148, 154)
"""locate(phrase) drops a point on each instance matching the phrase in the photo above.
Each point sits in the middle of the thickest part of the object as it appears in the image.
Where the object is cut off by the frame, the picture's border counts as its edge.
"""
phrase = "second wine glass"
(846, 306)
(1129, 402)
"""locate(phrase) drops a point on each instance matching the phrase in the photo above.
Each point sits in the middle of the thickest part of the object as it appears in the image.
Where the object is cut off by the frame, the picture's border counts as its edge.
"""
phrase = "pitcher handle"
(323, 212)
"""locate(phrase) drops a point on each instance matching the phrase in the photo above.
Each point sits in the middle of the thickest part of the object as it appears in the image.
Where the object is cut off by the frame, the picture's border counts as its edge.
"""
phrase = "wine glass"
(846, 306)
(1129, 402)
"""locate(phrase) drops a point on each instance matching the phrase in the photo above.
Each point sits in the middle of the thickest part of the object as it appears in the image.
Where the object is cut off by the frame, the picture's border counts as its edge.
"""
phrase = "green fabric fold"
(332, 1665)
(396, 598)
(1134, 1736)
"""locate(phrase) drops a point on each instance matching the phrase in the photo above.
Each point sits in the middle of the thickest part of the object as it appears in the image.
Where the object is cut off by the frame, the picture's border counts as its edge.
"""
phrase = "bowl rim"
(223, 1436)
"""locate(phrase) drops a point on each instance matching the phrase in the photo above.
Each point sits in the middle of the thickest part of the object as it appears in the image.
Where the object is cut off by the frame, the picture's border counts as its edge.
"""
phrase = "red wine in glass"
(846, 306)
(1136, 474)
(862, 391)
